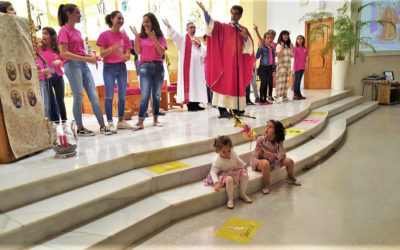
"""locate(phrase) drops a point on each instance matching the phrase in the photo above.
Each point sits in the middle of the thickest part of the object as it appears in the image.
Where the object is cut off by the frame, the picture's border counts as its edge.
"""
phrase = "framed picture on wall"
(389, 75)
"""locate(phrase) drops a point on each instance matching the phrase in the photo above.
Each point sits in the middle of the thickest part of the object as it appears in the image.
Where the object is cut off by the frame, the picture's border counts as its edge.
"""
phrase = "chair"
(172, 93)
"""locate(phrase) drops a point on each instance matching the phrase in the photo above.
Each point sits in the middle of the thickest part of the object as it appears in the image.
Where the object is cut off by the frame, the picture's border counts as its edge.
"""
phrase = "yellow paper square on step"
(167, 167)
(294, 131)
(318, 113)
(237, 229)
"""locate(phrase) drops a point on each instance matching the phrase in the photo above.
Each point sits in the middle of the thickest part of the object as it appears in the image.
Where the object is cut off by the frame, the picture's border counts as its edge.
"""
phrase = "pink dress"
(276, 148)
(222, 168)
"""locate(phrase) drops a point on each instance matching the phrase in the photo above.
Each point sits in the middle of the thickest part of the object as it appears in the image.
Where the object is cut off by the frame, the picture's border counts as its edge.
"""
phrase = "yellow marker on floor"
(318, 113)
(238, 229)
(294, 131)
(167, 167)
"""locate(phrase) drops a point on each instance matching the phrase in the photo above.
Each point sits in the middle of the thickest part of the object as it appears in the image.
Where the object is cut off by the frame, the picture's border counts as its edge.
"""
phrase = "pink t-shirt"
(50, 56)
(149, 51)
(73, 38)
(41, 67)
(300, 54)
(274, 44)
(108, 38)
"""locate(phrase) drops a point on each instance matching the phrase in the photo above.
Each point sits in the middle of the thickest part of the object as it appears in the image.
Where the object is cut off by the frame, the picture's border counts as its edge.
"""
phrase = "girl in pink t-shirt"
(76, 69)
(151, 45)
(115, 49)
(299, 65)
(49, 51)
(45, 74)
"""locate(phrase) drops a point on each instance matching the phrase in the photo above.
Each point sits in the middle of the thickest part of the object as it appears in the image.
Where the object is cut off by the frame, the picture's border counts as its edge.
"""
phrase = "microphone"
(236, 26)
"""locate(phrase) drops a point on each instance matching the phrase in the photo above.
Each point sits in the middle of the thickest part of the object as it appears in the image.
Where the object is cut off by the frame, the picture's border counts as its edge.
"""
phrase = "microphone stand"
(237, 78)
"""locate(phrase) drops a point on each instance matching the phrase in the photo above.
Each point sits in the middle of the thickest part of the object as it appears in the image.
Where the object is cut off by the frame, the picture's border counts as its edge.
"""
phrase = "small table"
(374, 87)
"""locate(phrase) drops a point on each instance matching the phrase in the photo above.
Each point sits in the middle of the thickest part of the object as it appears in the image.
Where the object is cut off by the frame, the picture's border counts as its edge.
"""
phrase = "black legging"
(265, 73)
(57, 82)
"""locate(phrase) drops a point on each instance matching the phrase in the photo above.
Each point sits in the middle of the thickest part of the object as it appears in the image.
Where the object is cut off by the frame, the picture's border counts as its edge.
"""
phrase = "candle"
(63, 141)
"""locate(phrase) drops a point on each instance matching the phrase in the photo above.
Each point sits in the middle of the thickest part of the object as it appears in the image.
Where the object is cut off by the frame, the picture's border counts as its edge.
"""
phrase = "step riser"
(67, 219)
(345, 107)
(356, 117)
(331, 99)
(137, 232)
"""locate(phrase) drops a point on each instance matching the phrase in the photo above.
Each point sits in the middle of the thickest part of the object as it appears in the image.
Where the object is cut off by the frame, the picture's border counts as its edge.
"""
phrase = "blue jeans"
(79, 77)
(49, 101)
(112, 72)
(297, 80)
(151, 80)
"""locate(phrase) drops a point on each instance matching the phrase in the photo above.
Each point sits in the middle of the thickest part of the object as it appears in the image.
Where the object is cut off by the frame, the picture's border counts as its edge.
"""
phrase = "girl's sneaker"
(105, 131)
(270, 99)
(123, 125)
(85, 132)
(112, 127)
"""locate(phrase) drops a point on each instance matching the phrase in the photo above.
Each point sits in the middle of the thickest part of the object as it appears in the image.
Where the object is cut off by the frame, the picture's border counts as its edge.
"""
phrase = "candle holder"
(64, 139)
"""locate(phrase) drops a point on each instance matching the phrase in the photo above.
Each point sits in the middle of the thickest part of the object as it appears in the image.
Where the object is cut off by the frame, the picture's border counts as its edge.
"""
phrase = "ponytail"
(111, 16)
(62, 13)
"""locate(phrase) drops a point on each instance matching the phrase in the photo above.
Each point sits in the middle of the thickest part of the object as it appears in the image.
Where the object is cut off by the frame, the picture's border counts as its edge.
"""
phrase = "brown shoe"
(296, 97)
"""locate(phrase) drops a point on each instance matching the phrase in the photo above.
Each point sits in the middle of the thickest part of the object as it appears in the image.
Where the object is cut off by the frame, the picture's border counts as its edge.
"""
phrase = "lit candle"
(63, 141)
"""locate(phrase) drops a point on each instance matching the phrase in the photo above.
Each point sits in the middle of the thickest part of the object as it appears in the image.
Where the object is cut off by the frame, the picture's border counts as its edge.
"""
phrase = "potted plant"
(346, 36)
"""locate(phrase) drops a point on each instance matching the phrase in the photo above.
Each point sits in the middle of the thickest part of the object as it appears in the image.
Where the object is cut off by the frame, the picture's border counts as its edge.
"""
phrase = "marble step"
(125, 188)
(43, 176)
(316, 119)
(130, 224)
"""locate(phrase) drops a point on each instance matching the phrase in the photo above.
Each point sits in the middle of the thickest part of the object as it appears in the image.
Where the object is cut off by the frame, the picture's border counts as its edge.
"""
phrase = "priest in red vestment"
(221, 63)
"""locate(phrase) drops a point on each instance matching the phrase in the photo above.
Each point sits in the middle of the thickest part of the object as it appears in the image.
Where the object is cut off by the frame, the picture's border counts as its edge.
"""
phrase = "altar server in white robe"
(191, 89)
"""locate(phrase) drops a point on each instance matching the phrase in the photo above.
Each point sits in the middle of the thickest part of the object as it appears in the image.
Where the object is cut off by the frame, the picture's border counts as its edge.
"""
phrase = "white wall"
(285, 15)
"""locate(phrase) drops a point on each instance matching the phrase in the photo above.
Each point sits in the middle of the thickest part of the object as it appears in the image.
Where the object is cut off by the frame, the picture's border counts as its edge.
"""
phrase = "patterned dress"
(276, 148)
(222, 168)
(283, 72)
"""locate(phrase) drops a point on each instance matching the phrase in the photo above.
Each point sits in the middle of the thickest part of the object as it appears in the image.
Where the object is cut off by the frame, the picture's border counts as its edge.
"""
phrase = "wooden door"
(319, 73)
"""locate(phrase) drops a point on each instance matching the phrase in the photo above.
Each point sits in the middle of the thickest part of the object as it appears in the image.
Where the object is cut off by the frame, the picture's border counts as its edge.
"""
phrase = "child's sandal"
(293, 182)
(265, 190)
(229, 204)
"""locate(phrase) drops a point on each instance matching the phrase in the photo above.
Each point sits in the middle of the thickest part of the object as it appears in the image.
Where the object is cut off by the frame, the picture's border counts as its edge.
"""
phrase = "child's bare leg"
(264, 167)
(229, 188)
(289, 168)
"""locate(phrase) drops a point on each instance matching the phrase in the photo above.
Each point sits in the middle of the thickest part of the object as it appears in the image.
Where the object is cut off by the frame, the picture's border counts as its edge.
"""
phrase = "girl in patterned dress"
(228, 170)
(270, 154)
(284, 53)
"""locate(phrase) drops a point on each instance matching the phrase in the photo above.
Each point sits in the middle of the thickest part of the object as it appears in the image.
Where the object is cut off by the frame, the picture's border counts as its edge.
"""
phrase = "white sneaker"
(123, 125)
(229, 204)
(112, 127)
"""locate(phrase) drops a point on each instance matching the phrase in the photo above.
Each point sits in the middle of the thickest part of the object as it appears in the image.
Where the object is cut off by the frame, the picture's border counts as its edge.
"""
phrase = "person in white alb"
(191, 87)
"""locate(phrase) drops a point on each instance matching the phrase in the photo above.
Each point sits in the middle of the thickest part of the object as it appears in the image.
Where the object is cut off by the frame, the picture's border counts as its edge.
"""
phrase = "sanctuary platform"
(121, 188)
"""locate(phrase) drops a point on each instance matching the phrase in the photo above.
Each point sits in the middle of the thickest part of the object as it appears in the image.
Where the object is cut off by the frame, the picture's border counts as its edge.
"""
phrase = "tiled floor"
(348, 201)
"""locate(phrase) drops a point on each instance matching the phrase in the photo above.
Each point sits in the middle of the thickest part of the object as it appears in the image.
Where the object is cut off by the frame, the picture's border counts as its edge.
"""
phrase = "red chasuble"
(221, 61)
